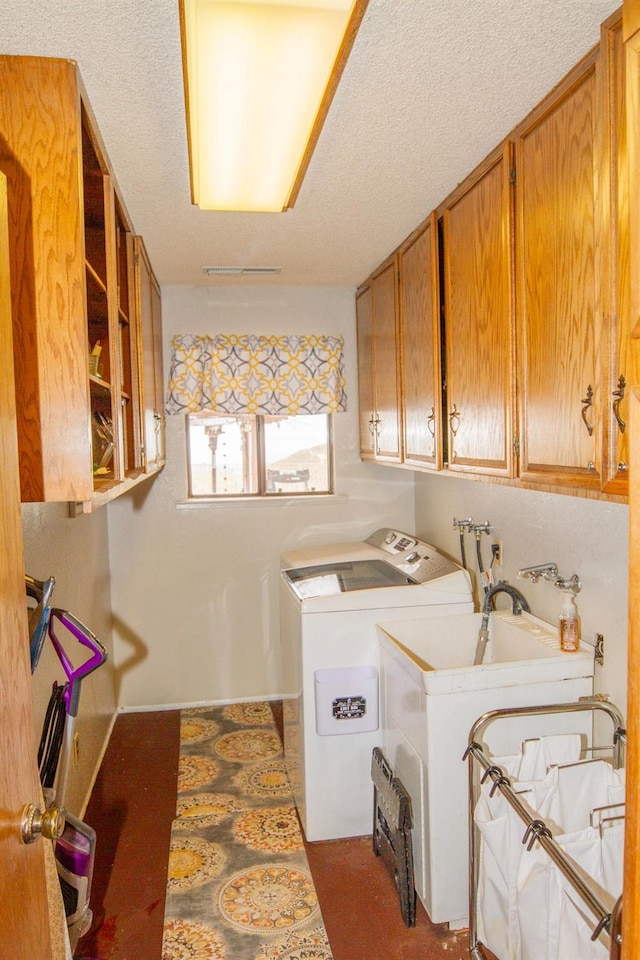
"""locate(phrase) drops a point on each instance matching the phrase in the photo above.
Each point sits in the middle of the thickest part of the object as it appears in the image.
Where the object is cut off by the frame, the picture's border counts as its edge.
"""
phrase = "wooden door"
(24, 912)
(419, 316)
(559, 282)
(480, 319)
(631, 911)
(384, 286)
(631, 885)
(364, 321)
(632, 80)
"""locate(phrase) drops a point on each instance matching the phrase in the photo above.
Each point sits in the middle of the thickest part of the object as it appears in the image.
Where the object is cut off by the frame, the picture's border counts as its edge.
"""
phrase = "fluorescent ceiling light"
(259, 79)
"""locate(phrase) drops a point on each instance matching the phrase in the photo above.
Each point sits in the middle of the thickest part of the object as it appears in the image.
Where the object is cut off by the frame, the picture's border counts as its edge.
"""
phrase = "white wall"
(195, 590)
(582, 536)
(76, 552)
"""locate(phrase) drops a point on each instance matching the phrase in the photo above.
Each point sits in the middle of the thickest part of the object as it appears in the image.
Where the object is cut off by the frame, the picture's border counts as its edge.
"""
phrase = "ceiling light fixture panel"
(240, 271)
(259, 79)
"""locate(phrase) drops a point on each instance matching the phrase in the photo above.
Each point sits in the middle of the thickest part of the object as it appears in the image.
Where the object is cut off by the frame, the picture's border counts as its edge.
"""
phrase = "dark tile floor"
(131, 809)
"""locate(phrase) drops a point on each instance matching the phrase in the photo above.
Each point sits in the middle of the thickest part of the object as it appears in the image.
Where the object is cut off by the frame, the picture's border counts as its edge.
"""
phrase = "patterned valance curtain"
(258, 375)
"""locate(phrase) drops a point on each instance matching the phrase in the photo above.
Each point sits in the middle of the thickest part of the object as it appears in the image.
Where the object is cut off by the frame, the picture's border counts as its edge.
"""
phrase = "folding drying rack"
(536, 829)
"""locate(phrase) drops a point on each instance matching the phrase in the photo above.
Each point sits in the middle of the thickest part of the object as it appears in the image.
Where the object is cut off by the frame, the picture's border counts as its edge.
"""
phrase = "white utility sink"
(432, 694)
(521, 649)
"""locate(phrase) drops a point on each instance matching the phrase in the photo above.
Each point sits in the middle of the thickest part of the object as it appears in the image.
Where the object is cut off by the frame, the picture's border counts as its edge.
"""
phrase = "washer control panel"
(392, 541)
(417, 558)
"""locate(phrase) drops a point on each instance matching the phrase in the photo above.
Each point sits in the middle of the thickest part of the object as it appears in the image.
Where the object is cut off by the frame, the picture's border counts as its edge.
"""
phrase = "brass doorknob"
(35, 823)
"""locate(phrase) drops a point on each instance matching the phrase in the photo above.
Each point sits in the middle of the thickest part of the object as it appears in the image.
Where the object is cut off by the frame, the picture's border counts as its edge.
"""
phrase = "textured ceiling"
(431, 87)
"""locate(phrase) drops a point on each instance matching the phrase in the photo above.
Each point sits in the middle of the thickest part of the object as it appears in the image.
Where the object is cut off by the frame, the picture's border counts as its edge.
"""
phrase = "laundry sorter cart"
(546, 841)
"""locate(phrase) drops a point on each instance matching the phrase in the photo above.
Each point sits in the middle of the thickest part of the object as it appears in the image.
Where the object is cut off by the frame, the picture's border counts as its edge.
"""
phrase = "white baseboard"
(190, 705)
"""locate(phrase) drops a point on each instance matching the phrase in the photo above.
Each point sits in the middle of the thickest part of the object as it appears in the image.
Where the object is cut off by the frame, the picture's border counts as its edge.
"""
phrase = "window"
(255, 455)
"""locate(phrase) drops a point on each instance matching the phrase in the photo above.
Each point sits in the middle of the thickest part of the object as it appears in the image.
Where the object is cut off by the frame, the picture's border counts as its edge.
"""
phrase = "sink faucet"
(519, 604)
(549, 571)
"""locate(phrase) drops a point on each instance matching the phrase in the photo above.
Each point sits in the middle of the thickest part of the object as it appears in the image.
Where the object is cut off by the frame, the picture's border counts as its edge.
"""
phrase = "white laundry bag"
(501, 831)
(553, 922)
(600, 854)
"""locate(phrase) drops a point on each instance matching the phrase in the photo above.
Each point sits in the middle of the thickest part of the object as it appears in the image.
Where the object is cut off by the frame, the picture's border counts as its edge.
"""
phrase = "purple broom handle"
(75, 674)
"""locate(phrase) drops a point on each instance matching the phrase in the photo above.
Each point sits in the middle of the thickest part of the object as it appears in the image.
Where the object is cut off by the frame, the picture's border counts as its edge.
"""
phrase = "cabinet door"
(622, 360)
(160, 428)
(632, 83)
(102, 314)
(128, 347)
(40, 150)
(419, 315)
(384, 287)
(558, 284)
(631, 12)
(480, 319)
(364, 321)
(150, 367)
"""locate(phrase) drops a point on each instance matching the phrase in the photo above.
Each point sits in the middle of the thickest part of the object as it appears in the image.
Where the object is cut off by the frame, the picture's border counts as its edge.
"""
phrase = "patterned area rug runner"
(239, 884)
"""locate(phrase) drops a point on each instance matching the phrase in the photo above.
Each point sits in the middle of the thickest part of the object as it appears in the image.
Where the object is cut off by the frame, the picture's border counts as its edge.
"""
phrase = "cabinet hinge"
(516, 446)
(512, 175)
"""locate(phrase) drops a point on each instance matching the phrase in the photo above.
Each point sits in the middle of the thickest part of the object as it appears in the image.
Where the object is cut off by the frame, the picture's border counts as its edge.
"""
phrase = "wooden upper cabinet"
(419, 317)
(76, 340)
(366, 403)
(41, 145)
(149, 310)
(378, 365)
(559, 247)
(477, 224)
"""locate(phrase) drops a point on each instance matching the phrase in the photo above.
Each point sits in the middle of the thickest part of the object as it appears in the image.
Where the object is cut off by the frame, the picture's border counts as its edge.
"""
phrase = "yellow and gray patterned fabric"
(277, 376)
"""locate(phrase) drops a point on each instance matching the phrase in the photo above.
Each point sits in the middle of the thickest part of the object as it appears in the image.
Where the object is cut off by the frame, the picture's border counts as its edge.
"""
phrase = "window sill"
(205, 504)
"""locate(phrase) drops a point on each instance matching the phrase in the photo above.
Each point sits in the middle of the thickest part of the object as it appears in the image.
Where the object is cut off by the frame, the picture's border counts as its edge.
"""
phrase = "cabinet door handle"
(454, 420)
(157, 421)
(619, 395)
(431, 427)
(587, 401)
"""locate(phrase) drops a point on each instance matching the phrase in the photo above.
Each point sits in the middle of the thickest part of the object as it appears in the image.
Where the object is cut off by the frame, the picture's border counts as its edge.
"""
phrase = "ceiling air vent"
(241, 271)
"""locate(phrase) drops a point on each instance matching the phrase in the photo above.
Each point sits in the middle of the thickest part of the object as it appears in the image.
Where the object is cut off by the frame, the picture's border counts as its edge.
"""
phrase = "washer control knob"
(413, 557)
(390, 537)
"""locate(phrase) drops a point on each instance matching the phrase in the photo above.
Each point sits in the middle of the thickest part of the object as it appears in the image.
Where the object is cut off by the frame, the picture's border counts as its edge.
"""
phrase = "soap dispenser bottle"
(569, 625)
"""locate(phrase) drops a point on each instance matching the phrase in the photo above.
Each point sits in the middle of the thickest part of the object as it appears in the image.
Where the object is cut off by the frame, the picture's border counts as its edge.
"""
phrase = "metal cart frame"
(536, 829)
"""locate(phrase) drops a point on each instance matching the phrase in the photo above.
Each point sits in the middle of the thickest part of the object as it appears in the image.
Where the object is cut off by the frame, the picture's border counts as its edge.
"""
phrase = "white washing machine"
(331, 598)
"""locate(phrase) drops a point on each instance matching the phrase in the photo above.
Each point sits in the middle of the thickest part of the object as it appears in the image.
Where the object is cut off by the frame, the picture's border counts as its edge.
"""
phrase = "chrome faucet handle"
(463, 524)
(549, 571)
(571, 584)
